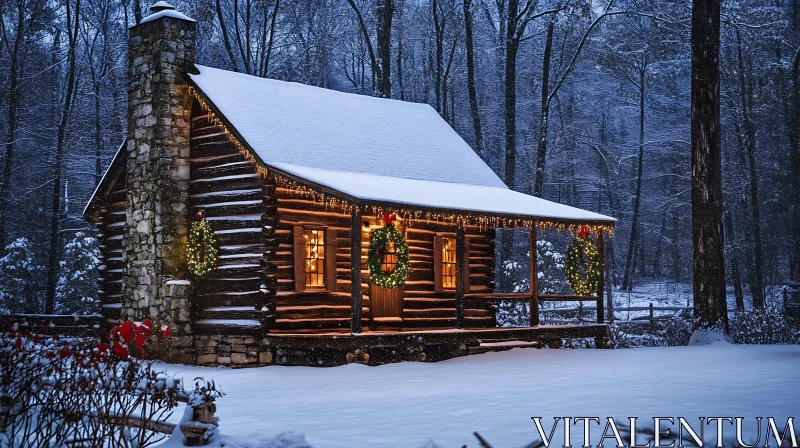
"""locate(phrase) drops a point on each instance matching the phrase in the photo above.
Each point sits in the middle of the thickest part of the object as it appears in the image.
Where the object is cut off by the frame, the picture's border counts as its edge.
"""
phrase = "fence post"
(652, 321)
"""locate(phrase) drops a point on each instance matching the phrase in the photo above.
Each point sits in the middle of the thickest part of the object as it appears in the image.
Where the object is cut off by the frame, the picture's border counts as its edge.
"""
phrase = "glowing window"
(315, 258)
(448, 263)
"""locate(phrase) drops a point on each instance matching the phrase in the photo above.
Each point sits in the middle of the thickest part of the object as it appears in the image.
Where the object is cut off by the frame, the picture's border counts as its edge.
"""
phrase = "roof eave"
(91, 204)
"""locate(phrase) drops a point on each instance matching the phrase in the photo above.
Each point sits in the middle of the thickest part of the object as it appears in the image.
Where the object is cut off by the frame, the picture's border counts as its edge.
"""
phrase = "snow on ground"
(411, 404)
(629, 305)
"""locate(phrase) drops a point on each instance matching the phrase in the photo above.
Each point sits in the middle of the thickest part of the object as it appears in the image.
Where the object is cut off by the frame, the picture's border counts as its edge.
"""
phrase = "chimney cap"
(160, 6)
(164, 9)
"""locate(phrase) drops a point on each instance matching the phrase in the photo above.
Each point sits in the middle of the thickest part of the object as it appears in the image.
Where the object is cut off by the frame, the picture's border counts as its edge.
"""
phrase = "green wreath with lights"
(377, 249)
(584, 266)
(202, 248)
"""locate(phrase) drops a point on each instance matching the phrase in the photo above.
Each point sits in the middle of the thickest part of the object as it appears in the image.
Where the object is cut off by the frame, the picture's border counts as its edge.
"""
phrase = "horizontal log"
(249, 194)
(216, 159)
(224, 183)
(230, 284)
(311, 324)
(212, 148)
(250, 298)
(225, 169)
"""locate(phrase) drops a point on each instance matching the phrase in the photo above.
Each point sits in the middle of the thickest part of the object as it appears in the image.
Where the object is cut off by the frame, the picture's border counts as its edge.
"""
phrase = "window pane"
(315, 258)
(448, 263)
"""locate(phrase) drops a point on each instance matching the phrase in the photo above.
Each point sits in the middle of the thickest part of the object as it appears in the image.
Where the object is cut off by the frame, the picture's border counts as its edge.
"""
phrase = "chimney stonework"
(161, 49)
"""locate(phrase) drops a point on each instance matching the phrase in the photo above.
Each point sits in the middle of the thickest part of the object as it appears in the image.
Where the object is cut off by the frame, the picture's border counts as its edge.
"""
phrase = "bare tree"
(73, 15)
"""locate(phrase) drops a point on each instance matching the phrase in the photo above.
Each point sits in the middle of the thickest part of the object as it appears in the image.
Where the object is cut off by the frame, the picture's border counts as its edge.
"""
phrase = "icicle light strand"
(484, 222)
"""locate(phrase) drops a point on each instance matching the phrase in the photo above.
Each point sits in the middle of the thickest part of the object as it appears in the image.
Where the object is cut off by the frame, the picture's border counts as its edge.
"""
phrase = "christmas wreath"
(583, 267)
(202, 249)
(379, 241)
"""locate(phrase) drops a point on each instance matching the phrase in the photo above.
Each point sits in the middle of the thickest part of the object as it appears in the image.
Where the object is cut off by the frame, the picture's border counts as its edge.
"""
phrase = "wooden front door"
(386, 302)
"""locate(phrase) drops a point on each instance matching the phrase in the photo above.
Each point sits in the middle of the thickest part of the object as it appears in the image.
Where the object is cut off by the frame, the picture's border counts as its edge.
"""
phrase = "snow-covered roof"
(367, 148)
(439, 195)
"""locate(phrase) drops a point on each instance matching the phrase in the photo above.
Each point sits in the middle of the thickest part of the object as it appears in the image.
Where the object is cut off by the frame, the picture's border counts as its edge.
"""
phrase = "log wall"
(111, 238)
(236, 298)
(423, 307)
(253, 291)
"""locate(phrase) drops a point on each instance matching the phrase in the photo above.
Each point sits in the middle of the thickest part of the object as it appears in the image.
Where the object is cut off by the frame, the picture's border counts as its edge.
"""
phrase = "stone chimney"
(161, 50)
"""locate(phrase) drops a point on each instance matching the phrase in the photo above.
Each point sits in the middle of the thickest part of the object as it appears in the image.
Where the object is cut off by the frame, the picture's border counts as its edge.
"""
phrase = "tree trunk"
(626, 280)
(225, 38)
(757, 287)
(439, 41)
(736, 274)
(794, 132)
(510, 97)
(11, 133)
(55, 243)
(473, 94)
(385, 12)
(709, 265)
(544, 117)
(270, 44)
(367, 43)
(400, 64)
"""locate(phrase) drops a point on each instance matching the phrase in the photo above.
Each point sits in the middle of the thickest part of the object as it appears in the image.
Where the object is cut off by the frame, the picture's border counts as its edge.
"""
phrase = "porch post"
(534, 300)
(355, 271)
(601, 287)
(460, 269)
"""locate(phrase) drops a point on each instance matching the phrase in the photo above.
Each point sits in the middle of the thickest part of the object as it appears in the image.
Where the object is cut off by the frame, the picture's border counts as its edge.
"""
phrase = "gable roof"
(366, 148)
(288, 122)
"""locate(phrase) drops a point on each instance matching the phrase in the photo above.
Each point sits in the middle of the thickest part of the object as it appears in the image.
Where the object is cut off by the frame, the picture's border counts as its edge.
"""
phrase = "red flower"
(36, 338)
(102, 348)
(65, 353)
(49, 355)
(166, 331)
(18, 343)
(126, 331)
(148, 327)
(120, 350)
(113, 333)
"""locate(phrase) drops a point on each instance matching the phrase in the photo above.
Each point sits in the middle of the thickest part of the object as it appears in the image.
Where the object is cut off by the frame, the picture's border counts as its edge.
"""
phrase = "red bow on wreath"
(583, 232)
(389, 217)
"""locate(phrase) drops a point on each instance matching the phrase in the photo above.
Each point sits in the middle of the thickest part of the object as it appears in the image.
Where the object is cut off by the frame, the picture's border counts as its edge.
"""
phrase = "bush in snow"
(675, 331)
(550, 265)
(55, 391)
(766, 325)
(18, 274)
(77, 277)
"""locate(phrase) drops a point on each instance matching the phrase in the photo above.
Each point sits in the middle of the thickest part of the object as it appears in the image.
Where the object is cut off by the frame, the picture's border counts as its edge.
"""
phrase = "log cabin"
(295, 182)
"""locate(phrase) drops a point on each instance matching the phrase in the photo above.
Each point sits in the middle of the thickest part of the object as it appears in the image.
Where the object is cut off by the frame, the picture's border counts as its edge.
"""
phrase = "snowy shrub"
(58, 392)
(18, 271)
(766, 325)
(77, 277)
(550, 265)
(675, 331)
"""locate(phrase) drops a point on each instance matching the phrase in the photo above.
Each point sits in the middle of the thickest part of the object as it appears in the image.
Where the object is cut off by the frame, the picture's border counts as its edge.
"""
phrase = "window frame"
(330, 245)
(438, 263)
